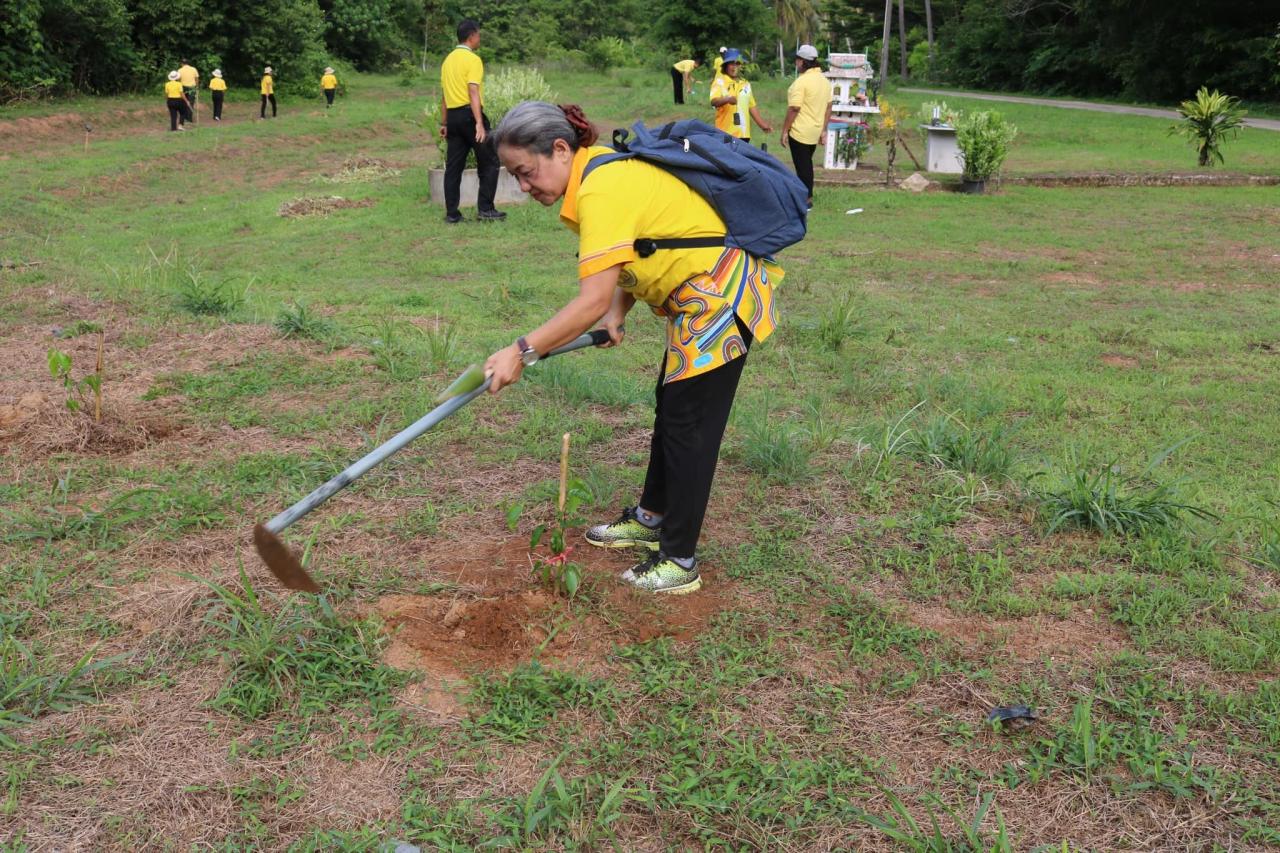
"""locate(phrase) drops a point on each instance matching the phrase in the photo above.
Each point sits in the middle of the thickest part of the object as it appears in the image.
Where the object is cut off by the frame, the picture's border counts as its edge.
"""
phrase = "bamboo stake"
(564, 470)
(97, 392)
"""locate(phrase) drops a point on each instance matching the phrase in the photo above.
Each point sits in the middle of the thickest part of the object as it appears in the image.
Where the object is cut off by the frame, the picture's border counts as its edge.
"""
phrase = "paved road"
(1260, 123)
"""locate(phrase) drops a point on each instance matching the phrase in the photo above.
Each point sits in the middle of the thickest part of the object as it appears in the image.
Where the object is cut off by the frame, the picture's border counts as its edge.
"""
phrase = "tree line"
(1158, 50)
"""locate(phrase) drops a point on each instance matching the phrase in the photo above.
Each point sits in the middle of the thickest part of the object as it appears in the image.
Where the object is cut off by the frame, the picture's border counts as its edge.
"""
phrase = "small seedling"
(77, 390)
(299, 321)
(554, 570)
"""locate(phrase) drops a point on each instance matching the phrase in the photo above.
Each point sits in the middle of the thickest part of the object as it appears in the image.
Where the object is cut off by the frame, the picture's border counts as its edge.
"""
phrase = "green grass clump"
(303, 655)
(28, 688)
(949, 443)
(775, 449)
(525, 700)
(206, 298)
(1107, 501)
(299, 321)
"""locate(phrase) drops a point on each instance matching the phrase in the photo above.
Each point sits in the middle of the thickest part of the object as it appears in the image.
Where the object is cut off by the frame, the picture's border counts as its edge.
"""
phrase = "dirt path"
(1260, 123)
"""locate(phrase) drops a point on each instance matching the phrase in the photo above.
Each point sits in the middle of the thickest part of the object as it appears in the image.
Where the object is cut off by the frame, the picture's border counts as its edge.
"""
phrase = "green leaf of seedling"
(536, 539)
(513, 515)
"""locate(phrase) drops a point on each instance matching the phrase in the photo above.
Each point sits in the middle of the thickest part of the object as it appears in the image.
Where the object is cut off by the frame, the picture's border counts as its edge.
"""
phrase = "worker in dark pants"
(682, 78)
(179, 109)
(268, 90)
(218, 91)
(466, 128)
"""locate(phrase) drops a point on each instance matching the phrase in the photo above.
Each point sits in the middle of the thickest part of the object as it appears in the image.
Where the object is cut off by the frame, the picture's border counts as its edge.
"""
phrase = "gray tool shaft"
(382, 452)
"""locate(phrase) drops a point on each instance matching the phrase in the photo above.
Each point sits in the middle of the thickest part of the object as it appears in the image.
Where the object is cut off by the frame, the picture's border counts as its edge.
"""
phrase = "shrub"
(606, 52)
(1208, 121)
(984, 139)
(510, 86)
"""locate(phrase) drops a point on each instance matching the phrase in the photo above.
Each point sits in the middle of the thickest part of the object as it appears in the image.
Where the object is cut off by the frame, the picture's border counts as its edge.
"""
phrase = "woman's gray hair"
(535, 126)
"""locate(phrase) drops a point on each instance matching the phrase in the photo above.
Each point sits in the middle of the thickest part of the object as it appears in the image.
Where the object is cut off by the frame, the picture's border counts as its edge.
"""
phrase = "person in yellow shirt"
(716, 301)
(808, 114)
(328, 84)
(682, 77)
(189, 77)
(465, 127)
(179, 109)
(734, 101)
(218, 90)
(268, 91)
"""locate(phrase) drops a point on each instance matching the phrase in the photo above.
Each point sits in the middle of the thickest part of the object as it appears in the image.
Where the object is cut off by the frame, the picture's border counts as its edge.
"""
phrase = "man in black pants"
(682, 77)
(465, 126)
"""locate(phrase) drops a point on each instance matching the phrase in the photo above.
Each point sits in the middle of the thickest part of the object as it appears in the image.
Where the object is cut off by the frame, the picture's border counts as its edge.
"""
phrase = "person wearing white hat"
(329, 84)
(268, 91)
(218, 91)
(808, 114)
(179, 109)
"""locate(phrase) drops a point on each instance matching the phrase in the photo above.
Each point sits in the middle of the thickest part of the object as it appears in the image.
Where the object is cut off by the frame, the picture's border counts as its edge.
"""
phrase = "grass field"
(904, 533)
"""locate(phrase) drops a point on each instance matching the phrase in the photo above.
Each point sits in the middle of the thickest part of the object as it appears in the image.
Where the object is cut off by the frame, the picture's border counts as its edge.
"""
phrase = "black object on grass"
(1012, 716)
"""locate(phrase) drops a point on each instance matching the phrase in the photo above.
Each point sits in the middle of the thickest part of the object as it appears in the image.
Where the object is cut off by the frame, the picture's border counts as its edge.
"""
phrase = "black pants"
(677, 85)
(460, 132)
(802, 157)
(217, 104)
(262, 113)
(179, 112)
(328, 96)
(687, 429)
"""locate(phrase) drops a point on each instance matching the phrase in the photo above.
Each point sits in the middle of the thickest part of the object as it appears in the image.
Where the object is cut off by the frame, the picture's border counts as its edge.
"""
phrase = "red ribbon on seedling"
(561, 558)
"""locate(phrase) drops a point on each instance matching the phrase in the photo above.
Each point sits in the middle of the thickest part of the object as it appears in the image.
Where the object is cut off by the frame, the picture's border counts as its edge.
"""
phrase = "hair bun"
(587, 133)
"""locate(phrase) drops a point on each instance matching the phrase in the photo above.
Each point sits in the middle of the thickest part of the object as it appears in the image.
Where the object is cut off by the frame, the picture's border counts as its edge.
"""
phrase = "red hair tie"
(587, 133)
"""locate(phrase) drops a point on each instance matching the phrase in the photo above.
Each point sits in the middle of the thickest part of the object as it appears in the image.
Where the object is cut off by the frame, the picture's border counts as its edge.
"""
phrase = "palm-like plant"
(1208, 121)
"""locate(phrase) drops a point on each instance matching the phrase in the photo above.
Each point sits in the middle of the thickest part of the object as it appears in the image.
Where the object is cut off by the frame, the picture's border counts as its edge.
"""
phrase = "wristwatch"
(528, 355)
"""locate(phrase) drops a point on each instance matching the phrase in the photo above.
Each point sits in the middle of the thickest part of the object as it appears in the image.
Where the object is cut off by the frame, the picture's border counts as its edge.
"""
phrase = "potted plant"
(984, 139)
(852, 144)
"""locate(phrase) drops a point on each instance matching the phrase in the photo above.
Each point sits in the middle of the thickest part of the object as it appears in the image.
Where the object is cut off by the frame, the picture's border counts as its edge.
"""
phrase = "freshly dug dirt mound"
(300, 207)
(499, 615)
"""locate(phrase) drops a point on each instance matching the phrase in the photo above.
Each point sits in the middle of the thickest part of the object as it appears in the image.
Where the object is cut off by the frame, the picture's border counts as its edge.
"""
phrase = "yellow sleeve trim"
(624, 253)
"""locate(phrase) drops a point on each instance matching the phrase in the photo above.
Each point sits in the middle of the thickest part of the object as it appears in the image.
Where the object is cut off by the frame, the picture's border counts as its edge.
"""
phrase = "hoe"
(283, 562)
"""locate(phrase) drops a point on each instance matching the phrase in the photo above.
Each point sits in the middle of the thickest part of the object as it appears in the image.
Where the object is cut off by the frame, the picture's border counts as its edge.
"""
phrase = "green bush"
(606, 52)
(984, 139)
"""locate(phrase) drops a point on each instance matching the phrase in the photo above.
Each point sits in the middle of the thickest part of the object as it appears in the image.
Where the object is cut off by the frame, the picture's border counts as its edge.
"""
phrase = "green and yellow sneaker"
(626, 532)
(660, 573)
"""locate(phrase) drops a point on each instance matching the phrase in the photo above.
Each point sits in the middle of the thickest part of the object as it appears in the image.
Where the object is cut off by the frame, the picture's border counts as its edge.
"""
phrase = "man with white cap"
(218, 91)
(179, 109)
(808, 114)
(328, 84)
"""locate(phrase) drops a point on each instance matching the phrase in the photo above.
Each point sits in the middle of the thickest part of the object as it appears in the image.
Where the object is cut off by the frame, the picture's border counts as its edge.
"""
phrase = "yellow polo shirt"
(329, 81)
(268, 85)
(461, 68)
(217, 84)
(699, 291)
(684, 66)
(733, 119)
(811, 92)
(173, 89)
(188, 76)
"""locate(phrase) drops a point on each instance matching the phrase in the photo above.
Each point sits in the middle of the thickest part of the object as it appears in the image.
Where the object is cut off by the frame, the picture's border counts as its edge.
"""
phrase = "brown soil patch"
(1113, 360)
(500, 616)
(300, 207)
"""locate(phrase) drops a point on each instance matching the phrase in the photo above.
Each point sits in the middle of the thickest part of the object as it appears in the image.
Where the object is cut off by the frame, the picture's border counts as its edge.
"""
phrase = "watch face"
(528, 357)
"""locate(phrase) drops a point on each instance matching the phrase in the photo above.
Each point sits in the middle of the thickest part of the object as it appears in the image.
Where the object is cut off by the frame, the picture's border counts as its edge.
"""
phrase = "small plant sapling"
(77, 390)
(553, 567)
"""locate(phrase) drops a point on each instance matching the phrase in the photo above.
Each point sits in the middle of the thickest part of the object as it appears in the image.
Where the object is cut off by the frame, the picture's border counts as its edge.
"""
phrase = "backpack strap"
(646, 246)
